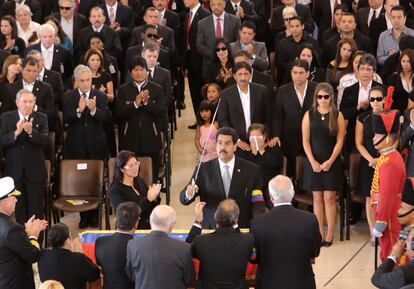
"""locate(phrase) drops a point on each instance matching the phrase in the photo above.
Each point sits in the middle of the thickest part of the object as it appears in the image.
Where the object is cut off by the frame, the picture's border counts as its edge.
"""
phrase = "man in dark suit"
(167, 17)
(85, 7)
(97, 20)
(9, 8)
(232, 250)
(219, 24)
(150, 255)
(85, 110)
(226, 177)
(277, 23)
(365, 16)
(292, 101)
(192, 59)
(56, 57)
(72, 23)
(113, 262)
(323, 14)
(24, 135)
(243, 9)
(139, 108)
(18, 245)
(355, 99)
(285, 262)
(243, 104)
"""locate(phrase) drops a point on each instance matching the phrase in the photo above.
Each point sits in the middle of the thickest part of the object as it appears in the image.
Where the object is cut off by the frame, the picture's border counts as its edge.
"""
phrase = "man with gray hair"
(285, 262)
(85, 110)
(56, 57)
(158, 261)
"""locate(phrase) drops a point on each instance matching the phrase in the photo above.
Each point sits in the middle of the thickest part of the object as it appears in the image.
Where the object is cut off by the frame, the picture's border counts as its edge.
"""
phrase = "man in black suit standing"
(24, 136)
(192, 59)
(139, 108)
(56, 57)
(219, 24)
(227, 176)
(323, 13)
(292, 101)
(382, 22)
(113, 262)
(243, 104)
(277, 23)
(167, 17)
(19, 247)
(365, 16)
(285, 262)
(85, 110)
(243, 9)
(157, 253)
(232, 250)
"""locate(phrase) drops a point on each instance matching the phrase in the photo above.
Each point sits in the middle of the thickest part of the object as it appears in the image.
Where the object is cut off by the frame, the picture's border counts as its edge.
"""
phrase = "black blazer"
(191, 57)
(232, 250)
(62, 60)
(138, 127)
(388, 275)
(79, 22)
(85, 135)
(86, 6)
(300, 244)
(348, 107)
(162, 77)
(362, 20)
(277, 23)
(378, 25)
(17, 254)
(287, 119)
(230, 112)
(72, 269)
(155, 253)
(248, 9)
(54, 79)
(133, 51)
(245, 179)
(173, 21)
(400, 96)
(112, 262)
(24, 155)
(125, 17)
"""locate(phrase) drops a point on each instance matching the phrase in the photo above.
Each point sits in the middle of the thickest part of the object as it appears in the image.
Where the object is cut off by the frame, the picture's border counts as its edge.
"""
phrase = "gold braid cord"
(375, 186)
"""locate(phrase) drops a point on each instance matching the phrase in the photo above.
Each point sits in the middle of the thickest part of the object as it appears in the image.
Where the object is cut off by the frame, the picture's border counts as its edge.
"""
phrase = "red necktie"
(190, 16)
(76, 6)
(219, 32)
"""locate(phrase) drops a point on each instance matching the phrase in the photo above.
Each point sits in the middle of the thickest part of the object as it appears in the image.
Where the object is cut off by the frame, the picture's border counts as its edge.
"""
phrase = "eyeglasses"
(151, 35)
(325, 96)
(221, 49)
(137, 164)
(65, 8)
(378, 99)
(287, 19)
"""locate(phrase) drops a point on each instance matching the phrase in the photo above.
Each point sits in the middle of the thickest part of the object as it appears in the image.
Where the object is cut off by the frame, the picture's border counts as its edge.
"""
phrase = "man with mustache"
(227, 176)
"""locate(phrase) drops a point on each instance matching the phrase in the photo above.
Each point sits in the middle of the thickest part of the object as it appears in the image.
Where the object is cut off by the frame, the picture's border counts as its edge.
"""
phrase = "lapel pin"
(37, 88)
(238, 170)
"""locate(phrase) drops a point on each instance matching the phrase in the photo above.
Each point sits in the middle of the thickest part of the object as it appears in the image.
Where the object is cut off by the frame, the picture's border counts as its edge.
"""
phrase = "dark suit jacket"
(348, 107)
(138, 127)
(206, 37)
(162, 77)
(165, 32)
(389, 276)
(287, 119)
(17, 254)
(112, 41)
(232, 250)
(85, 135)
(54, 79)
(9, 8)
(173, 21)
(72, 269)
(245, 179)
(3, 55)
(248, 9)
(277, 23)
(300, 243)
(62, 60)
(191, 57)
(133, 51)
(125, 17)
(230, 112)
(79, 22)
(148, 256)
(24, 155)
(86, 6)
(113, 261)
(362, 20)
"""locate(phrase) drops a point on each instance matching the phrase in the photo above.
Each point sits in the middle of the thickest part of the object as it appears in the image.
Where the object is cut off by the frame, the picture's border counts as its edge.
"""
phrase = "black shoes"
(193, 126)
(181, 105)
(327, 243)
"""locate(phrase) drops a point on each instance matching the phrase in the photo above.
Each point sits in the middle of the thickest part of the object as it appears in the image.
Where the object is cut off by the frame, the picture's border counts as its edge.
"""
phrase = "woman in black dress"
(403, 82)
(12, 67)
(8, 36)
(220, 69)
(323, 130)
(369, 155)
(128, 187)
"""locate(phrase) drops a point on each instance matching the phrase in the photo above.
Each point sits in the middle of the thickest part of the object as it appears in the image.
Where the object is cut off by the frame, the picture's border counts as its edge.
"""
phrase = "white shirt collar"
(21, 116)
(195, 9)
(41, 73)
(99, 29)
(230, 163)
(28, 84)
(369, 85)
(377, 11)
(241, 92)
(234, 4)
(108, 7)
(44, 49)
(221, 17)
(139, 85)
(282, 204)
(87, 93)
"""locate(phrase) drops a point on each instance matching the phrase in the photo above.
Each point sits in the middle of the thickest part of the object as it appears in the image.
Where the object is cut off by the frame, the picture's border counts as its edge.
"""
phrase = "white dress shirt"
(301, 98)
(371, 13)
(97, 29)
(363, 93)
(194, 12)
(28, 86)
(26, 34)
(245, 101)
(108, 8)
(230, 164)
(47, 54)
(87, 97)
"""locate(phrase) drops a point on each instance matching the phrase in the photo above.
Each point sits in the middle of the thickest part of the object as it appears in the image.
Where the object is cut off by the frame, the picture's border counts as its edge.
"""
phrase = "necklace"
(323, 115)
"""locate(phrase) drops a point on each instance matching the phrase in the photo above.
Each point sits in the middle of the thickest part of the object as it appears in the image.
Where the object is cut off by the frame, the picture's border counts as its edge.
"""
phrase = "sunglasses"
(65, 8)
(287, 19)
(378, 99)
(221, 49)
(155, 36)
(325, 96)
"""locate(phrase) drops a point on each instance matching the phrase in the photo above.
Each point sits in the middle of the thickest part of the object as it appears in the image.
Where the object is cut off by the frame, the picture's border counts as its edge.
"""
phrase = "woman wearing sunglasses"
(369, 155)
(220, 69)
(323, 131)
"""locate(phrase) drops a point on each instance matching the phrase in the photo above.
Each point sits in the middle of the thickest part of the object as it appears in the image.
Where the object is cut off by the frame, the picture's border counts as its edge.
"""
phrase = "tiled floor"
(356, 275)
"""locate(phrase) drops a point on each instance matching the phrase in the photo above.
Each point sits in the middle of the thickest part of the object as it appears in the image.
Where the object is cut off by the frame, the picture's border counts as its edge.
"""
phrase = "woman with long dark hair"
(220, 70)
(127, 186)
(8, 36)
(323, 131)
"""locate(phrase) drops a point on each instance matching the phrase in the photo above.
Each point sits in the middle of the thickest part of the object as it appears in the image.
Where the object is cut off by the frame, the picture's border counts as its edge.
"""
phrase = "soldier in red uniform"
(388, 180)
